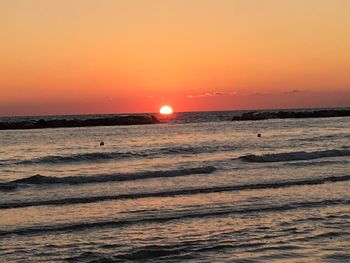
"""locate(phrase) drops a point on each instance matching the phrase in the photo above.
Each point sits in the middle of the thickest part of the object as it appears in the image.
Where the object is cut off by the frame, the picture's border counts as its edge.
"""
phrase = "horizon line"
(140, 113)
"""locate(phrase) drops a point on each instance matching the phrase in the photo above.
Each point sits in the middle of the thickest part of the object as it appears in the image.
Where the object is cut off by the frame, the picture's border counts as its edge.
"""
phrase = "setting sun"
(166, 110)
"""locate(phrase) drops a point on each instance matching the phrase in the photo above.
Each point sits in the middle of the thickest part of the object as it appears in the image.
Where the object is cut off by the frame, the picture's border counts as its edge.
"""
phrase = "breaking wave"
(244, 187)
(293, 156)
(40, 179)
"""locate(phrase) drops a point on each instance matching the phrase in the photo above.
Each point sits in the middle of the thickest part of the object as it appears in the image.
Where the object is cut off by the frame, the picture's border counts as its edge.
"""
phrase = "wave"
(244, 187)
(175, 216)
(293, 156)
(83, 157)
(106, 156)
(7, 186)
(317, 163)
(144, 253)
(329, 137)
(118, 155)
(44, 180)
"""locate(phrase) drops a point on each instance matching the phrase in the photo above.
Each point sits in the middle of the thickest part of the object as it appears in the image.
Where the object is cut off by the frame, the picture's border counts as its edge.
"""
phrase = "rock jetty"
(254, 115)
(65, 123)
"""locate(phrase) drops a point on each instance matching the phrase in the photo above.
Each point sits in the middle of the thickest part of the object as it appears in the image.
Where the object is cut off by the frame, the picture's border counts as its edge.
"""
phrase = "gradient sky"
(84, 56)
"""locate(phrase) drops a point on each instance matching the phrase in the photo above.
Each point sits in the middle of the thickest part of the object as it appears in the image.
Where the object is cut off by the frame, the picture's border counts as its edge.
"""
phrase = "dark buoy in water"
(102, 143)
(258, 135)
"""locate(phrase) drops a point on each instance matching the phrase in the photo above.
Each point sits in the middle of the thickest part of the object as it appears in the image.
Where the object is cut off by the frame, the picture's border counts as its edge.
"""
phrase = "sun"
(166, 110)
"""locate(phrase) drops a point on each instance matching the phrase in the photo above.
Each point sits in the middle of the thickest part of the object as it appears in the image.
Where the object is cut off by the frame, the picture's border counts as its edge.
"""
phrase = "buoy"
(259, 135)
(102, 143)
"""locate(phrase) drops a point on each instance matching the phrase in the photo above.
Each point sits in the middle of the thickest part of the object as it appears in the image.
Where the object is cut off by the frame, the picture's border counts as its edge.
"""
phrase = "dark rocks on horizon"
(254, 115)
(63, 123)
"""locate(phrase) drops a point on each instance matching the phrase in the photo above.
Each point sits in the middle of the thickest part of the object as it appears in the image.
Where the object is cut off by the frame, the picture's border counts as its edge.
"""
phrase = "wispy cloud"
(292, 91)
(212, 94)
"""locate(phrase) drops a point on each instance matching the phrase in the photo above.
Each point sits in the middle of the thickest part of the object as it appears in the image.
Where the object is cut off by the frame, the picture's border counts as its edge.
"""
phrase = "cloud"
(292, 91)
(212, 94)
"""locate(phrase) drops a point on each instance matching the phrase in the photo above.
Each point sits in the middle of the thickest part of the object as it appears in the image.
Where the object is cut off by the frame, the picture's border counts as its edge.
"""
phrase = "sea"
(196, 188)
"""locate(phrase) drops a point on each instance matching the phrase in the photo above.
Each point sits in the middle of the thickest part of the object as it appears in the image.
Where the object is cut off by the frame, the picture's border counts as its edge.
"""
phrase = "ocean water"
(198, 188)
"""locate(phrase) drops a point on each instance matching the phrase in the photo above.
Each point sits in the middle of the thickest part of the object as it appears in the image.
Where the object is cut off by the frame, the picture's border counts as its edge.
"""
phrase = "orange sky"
(84, 56)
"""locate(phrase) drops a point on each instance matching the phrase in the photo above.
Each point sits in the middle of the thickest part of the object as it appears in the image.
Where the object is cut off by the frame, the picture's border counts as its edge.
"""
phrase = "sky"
(125, 56)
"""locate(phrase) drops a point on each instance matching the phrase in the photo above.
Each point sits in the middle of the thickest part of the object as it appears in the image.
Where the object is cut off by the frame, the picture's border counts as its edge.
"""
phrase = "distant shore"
(254, 115)
(64, 123)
